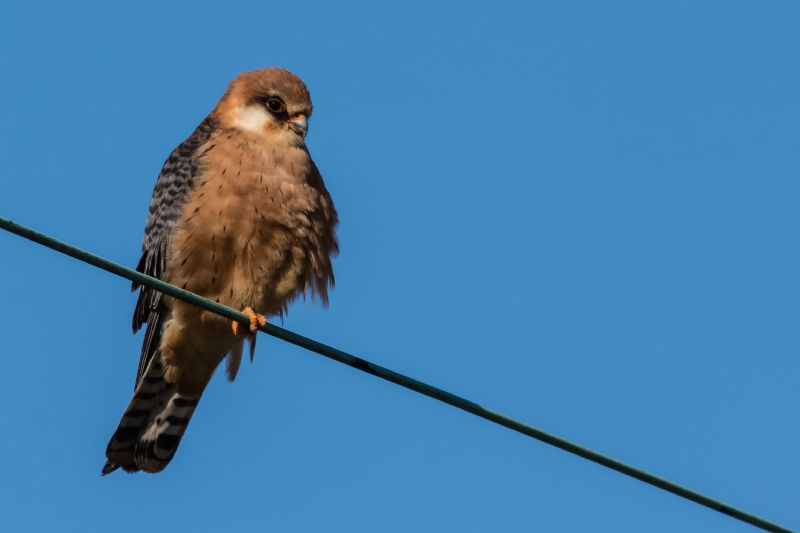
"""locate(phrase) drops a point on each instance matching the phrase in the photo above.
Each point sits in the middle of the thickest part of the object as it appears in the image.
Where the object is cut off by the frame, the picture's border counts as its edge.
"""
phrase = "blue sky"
(582, 214)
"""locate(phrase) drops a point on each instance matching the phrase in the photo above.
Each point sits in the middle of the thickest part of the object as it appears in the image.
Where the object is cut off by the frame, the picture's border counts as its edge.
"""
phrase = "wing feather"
(173, 186)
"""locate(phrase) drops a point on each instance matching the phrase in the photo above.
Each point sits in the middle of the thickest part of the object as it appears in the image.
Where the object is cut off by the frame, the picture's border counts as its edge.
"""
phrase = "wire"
(394, 377)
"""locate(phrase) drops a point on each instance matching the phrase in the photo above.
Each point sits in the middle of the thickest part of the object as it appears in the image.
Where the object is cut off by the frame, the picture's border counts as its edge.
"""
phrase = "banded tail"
(152, 426)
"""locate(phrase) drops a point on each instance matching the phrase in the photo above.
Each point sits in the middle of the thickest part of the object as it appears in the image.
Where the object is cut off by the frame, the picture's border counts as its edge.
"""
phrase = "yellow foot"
(256, 319)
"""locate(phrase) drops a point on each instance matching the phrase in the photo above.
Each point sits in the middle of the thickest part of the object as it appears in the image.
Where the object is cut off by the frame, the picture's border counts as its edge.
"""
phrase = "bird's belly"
(247, 237)
(269, 271)
(240, 264)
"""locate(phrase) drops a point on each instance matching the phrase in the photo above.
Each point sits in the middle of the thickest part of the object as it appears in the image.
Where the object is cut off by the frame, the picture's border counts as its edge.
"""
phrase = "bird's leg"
(256, 319)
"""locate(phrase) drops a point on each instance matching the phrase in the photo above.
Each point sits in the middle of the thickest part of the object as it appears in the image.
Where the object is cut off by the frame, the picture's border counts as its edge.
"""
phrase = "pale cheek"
(251, 118)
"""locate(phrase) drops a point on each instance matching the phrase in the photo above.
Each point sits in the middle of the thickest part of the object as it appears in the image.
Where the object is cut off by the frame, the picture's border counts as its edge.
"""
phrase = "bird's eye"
(275, 105)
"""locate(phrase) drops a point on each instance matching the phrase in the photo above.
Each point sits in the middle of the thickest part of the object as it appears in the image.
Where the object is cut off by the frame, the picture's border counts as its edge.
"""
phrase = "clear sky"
(583, 214)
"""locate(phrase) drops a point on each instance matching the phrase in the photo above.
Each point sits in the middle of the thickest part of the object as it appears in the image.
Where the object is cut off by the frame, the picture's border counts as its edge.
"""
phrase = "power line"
(394, 377)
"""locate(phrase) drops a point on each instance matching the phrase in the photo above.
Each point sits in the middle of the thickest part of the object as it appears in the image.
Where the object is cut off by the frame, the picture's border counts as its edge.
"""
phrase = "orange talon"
(256, 319)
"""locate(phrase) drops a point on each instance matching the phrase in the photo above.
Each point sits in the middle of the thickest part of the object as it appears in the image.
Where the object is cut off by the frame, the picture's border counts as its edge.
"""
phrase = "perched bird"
(240, 215)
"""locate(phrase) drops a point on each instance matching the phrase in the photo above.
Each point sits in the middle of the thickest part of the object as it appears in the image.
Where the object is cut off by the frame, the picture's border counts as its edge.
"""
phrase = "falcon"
(240, 215)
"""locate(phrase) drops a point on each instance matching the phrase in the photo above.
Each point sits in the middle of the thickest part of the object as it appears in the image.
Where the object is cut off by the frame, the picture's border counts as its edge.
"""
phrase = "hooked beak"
(299, 124)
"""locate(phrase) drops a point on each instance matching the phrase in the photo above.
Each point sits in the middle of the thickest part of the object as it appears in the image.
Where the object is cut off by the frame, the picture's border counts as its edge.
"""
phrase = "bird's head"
(270, 102)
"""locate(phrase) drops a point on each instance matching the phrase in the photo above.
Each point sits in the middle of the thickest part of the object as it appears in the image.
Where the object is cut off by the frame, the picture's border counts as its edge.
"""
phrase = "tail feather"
(152, 426)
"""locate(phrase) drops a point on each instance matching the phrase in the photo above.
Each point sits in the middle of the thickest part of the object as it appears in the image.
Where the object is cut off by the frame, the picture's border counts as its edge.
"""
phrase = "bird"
(240, 215)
